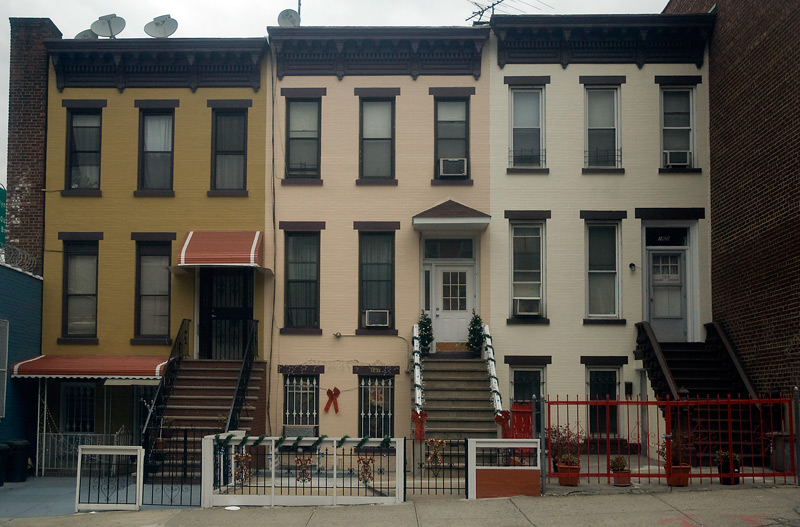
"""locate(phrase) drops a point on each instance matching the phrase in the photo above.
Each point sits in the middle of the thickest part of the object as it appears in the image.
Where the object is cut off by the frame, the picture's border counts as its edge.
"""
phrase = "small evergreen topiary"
(425, 331)
(475, 338)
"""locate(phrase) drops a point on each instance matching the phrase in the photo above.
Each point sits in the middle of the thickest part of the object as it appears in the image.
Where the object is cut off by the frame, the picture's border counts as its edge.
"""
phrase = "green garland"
(280, 441)
(387, 441)
(244, 440)
(363, 441)
(259, 440)
(223, 443)
(340, 444)
(297, 441)
(319, 440)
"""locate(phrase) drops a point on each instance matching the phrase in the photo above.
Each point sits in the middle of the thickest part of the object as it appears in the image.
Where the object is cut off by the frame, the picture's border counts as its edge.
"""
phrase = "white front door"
(454, 299)
(667, 279)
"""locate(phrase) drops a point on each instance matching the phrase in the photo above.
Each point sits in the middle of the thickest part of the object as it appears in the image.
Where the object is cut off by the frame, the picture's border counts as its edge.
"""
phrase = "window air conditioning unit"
(677, 158)
(452, 166)
(377, 318)
(526, 306)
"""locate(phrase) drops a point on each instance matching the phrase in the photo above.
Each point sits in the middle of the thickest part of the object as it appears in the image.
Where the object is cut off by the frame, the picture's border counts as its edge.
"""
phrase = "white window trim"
(542, 142)
(542, 373)
(543, 287)
(618, 281)
(617, 122)
(692, 124)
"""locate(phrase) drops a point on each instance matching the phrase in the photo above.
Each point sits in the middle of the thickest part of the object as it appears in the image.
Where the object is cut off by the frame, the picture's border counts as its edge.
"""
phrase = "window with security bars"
(77, 407)
(601, 384)
(375, 406)
(301, 400)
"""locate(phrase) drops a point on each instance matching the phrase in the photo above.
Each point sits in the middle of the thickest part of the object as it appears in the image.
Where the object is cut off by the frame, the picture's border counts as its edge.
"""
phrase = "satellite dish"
(108, 26)
(161, 26)
(289, 18)
(86, 34)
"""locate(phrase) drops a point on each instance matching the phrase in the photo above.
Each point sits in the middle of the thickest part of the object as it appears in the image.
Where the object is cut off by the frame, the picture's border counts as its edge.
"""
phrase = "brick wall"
(755, 182)
(27, 130)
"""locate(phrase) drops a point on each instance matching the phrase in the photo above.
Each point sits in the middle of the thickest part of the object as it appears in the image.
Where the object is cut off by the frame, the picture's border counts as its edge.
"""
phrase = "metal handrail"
(180, 349)
(724, 342)
(244, 376)
(419, 394)
(491, 368)
(647, 343)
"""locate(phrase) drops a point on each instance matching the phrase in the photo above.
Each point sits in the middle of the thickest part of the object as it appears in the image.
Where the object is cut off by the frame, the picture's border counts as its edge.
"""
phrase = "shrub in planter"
(562, 440)
(618, 465)
(725, 461)
(677, 461)
(569, 467)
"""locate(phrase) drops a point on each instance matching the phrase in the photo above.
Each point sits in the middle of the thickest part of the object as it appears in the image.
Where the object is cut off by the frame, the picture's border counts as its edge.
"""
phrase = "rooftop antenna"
(161, 26)
(108, 26)
(86, 34)
(483, 9)
(289, 18)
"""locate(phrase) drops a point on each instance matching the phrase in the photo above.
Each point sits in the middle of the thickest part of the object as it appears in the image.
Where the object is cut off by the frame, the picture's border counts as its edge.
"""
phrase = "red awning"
(235, 248)
(89, 367)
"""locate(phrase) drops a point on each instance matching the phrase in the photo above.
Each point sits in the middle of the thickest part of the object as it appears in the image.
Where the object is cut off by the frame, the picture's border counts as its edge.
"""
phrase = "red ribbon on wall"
(333, 396)
(504, 420)
(419, 419)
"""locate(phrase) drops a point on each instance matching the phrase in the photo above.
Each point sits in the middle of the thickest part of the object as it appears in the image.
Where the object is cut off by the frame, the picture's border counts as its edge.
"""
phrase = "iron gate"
(172, 468)
(436, 467)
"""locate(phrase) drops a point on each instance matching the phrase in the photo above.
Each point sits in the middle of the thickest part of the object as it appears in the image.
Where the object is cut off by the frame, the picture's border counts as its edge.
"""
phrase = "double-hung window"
(602, 290)
(79, 318)
(377, 138)
(229, 150)
(156, 149)
(602, 127)
(527, 139)
(152, 289)
(527, 265)
(303, 122)
(527, 388)
(376, 279)
(676, 120)
(602, 384)
(376, 406)
(452, 138)
(83, 154)
(302, 280)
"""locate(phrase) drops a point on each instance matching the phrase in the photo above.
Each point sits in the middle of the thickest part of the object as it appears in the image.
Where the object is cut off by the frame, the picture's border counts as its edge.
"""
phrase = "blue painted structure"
(21, 305)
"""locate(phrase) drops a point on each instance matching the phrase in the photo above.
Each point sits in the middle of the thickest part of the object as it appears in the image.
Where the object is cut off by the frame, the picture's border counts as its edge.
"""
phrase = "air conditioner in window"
(526, 306)
(452, 166)
(677, 158)
(377, 318)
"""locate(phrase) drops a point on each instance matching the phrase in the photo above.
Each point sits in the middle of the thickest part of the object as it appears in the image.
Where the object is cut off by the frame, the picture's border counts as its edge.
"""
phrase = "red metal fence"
(721, 440)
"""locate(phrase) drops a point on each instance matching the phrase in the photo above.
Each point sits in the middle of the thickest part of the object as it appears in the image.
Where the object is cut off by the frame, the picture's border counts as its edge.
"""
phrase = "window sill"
(532, 171)
(82, 193)
(601, 170)
(296, 181)
(300, 331)
(93, 341)
(540, 321)
(154, 193)
(377, 332)
(228, 193)
(451, 182)
(151, 341)
(604, 322)
(375, 182)
(686, 170)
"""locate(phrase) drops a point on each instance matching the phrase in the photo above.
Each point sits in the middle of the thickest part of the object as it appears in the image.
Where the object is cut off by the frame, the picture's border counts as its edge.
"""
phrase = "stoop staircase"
(457, 398)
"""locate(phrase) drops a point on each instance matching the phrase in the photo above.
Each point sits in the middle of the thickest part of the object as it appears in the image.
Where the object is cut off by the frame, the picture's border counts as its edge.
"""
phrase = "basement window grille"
(376, 406)
(301, 400)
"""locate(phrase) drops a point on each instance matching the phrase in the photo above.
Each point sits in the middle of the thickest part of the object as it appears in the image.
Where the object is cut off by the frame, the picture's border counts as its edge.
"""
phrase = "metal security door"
(667, 281)
(226, 306)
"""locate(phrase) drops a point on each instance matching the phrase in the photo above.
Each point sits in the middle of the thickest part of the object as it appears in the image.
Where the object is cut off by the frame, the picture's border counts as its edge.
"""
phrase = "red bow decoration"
(419, 419)
(333, 396)
(504, 420)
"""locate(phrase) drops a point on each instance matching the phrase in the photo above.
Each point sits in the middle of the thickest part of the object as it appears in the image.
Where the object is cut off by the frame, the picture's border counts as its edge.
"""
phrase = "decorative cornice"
(410, 51)
(602, 39)
(158, 63)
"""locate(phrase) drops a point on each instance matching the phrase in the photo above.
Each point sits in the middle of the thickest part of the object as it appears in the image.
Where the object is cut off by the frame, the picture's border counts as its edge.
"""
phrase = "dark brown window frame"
(76, 244)
(289, 102)
(293, 329)
(82, 107)
(390, 233)
(392, 175)
(436, 177)
(231, 109)
(146, 110)
(151, 248)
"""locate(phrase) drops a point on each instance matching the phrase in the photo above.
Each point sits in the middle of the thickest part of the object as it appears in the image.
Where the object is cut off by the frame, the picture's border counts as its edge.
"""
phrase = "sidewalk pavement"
(712, 506)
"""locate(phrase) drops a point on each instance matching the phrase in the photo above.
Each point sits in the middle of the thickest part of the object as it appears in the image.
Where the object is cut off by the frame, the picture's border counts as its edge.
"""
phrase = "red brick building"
(754, 70)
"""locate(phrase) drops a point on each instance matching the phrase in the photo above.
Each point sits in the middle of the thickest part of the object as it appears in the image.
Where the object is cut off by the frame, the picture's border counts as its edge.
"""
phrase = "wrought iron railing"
(603, 158)
(244, 376)
(648, 350)
(529, 158)
(180, 349)
(715, 336)
(491, 368)
(16, 257)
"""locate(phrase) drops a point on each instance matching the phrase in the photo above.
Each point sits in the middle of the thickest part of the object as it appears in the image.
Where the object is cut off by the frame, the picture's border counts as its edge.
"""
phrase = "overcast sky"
(249, 18)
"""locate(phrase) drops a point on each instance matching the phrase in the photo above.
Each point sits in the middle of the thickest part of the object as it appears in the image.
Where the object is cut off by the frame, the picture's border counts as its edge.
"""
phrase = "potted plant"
(677, 459)
(562, 440)
(618, 466)
(425, 333)
(475, 338)
(728, 462)
(569, 468)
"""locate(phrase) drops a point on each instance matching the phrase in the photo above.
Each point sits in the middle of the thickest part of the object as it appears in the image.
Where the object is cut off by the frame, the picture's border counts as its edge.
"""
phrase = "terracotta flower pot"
(679, 476)
(568, 475)
(622, 478)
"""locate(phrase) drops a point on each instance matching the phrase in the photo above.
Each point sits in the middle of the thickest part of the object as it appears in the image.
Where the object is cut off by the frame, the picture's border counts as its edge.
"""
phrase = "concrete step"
(441, 384)
(193, 399)
(457, 375)
(203, 410)
(454, 405)
(453, 365)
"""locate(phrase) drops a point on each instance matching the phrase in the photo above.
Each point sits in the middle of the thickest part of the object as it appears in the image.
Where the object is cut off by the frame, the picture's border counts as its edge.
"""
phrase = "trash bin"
(4, 451)
(17, 462)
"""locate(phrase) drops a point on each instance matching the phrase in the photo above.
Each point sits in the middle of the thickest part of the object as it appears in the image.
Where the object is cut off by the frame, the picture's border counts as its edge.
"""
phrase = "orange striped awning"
(220, 248)
(89, 367)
